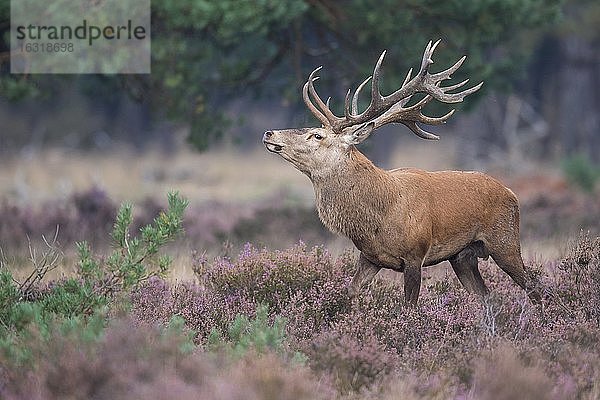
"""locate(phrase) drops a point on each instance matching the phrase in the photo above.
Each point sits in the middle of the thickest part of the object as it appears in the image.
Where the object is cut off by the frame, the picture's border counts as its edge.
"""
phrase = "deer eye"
(317, 136)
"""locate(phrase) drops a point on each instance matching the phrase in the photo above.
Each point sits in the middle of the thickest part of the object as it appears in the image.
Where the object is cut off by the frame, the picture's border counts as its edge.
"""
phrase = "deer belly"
(386, 260)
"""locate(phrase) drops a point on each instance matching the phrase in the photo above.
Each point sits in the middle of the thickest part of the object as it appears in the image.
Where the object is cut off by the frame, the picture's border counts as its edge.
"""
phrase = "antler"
(383, 110)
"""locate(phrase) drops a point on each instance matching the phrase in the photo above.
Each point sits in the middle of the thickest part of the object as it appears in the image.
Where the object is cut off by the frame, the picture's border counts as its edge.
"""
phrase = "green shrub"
(244, 334)
(30, 310)
(581, 172)
(257, 335)
(134, 259)
(9, 295)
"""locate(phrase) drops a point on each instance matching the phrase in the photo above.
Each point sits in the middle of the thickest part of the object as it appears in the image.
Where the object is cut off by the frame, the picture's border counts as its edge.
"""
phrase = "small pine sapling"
(134, 259)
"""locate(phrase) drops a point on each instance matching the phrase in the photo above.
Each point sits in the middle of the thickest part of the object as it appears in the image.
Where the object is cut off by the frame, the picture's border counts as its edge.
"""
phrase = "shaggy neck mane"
(353, 199)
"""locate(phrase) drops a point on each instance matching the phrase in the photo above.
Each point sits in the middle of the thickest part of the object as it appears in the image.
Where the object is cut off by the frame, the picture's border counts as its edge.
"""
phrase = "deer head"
(318, 150)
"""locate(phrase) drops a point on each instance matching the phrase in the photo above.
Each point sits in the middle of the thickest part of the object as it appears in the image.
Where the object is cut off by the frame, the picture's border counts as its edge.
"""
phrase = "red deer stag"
(403, 219)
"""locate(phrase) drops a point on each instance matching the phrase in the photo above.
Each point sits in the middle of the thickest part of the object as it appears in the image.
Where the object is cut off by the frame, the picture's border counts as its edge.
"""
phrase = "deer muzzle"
(271, 146)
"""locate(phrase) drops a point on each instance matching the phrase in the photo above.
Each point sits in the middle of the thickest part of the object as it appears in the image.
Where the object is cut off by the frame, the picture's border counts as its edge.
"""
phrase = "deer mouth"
(273, 147)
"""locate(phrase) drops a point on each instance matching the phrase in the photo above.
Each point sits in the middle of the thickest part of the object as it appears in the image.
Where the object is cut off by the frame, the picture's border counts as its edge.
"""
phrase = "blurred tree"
(206, 52)
(565, 81)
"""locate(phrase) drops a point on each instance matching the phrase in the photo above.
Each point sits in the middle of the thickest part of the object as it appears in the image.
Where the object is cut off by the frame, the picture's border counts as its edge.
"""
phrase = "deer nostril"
(268, 134)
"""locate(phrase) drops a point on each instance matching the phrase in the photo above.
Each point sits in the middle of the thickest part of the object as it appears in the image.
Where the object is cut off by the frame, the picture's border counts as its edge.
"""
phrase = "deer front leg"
(412, 283)
(365, 273)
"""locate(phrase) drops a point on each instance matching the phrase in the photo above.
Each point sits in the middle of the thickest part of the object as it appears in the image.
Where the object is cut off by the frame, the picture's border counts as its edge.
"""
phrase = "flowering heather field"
(277, 324)
(280, 325)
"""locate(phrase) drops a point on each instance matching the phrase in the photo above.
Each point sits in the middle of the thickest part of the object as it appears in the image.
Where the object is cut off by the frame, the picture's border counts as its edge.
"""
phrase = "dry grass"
(231, 177)
(223, 176)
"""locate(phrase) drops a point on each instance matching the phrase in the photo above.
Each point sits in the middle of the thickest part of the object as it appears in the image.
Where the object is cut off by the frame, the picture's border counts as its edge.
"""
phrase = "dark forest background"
(228, 70)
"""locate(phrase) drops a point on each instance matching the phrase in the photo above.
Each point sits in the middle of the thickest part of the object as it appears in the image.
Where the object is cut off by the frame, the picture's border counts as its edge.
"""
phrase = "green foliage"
(9, 295)
(234, 44)
(245, 334)
(28, 325)
(176, 329)
(64, 299)
(134, 259)
(581, 172)
(31, 313)
(206, 52)
(71, 298)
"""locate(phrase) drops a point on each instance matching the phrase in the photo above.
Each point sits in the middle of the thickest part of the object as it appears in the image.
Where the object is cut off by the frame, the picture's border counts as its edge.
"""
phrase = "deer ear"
(360, 134)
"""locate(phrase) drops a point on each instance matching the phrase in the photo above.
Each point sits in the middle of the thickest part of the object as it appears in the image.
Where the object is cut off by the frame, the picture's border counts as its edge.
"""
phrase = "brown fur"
(406, 219)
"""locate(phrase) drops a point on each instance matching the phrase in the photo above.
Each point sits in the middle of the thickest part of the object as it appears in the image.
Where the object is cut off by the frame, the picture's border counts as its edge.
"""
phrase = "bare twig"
(48, 261)
(490, 316)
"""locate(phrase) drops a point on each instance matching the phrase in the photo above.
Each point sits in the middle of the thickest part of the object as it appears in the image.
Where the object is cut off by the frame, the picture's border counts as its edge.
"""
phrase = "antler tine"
(376, 99)
(355, 97)
(420, 117)
(411, 123)
(446, 74)
(347, 111)
(456, 86)
(439, 93)
(323, 108)
(412, 86)
(417, 130)
(407, 78)
(376, 96)
(305, 96)
(414, 113)
(427, 60)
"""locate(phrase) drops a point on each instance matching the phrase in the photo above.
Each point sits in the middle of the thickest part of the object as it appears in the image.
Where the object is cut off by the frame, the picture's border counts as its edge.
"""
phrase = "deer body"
(392, 216)
(403, 219)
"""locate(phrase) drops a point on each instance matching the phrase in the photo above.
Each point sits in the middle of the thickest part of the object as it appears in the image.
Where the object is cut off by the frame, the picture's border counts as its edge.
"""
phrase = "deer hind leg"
(465, 265)
(508, 258)
(364, 275)
(412, 283)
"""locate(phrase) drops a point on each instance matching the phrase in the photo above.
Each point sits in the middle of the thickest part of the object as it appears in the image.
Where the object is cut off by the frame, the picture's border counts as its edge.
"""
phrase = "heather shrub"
(86, 215)
(433, 349)
(240, 329)
(579, 277)
(287, 281)
(423, 337)
(140, 362)
(155, 302)
(69, 364)
(426, 386)
(268, 377)
(306, 287)
(504, 376)
(152, 302)
(354, 364)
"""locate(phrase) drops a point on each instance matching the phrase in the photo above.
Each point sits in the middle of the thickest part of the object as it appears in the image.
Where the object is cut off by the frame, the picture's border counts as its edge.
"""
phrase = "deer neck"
(353, 199)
